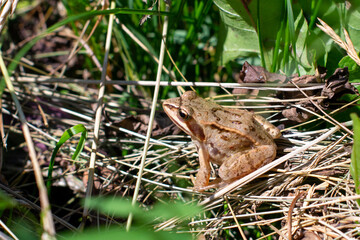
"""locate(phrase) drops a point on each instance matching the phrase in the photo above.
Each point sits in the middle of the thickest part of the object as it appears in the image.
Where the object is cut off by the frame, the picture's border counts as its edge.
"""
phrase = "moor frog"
(238, 141)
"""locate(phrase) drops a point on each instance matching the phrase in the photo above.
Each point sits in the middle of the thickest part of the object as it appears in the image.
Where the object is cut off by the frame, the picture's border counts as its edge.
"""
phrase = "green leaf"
(80, 128)
(355, 155)
(122, 208)
(290, 17)
(170, 210)
(353, 27)
(304, 57)
(119, 207)
(237, 37)
(354, 69)
(6, 202)
(143, 219)
(119, 233)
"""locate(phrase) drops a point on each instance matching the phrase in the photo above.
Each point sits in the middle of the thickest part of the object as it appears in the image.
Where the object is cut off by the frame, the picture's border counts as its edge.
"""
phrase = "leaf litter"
(311, 195)
(335, 86)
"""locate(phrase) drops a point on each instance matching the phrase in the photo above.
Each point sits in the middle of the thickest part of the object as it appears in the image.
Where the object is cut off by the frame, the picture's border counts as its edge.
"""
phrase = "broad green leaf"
(170, 210)
(237, 37)
(119, 207)
(122, 208)
(284, 33)
(119, 233)
(304, 56)
(80, 128)
(353, 27)
(355, 155)
(292, 39)
(354, 69)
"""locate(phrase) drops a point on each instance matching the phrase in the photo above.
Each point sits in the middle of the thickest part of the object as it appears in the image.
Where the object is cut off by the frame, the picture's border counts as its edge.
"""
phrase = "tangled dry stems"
(311, 192)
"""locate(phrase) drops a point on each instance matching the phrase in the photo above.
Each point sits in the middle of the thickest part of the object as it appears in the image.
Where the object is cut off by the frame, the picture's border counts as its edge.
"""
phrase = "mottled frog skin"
(236, 140)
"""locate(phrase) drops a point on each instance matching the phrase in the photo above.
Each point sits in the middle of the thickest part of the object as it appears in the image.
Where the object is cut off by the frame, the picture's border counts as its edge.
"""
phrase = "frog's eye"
(183, 114)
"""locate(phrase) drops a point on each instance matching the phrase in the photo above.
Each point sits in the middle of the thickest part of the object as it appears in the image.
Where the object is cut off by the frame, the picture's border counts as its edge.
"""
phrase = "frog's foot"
(213, 184)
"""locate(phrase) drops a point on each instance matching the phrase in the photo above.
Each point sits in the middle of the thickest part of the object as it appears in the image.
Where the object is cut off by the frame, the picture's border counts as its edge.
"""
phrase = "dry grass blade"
(235, 219)
(3, 225)
(347, 46)
(351, 49)
(98, 114)
(47, 219)
(329, 118)
(152, 115)
(7, 9)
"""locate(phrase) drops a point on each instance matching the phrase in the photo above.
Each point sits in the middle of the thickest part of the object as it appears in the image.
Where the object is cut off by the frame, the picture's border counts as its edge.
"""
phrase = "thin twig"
(98, 113)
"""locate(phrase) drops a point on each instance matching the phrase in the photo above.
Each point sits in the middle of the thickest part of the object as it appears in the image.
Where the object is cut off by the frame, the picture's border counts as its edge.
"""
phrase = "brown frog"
(236, 140)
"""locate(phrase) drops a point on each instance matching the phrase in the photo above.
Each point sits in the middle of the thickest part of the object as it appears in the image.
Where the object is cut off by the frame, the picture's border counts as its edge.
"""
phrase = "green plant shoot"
(355, 155)
(80, 128)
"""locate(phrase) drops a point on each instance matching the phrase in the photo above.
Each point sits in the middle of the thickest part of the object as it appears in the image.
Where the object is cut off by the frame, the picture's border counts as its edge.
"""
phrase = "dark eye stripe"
(196, 130)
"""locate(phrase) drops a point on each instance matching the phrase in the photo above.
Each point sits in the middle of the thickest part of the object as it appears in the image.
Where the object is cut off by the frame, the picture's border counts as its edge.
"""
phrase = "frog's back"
(244, 123)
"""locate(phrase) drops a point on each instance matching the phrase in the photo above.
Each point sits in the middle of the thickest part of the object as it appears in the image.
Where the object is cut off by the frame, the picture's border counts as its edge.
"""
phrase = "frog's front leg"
(203, 175)
(243, 163)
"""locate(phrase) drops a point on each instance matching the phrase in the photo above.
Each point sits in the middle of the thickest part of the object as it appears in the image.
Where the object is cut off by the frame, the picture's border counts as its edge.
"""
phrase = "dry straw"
(7, 9)
(347, 46)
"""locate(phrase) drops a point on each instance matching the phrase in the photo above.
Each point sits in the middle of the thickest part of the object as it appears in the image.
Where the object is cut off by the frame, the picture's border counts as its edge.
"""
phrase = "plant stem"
(46, 215)
(152, 115)
(98, 113)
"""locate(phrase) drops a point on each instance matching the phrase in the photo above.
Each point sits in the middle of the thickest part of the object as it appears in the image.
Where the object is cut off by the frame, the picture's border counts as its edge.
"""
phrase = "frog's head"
(183, 111)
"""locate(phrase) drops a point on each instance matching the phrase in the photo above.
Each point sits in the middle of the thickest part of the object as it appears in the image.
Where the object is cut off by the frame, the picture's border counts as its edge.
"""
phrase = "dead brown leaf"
(335, 86)
(255, 74)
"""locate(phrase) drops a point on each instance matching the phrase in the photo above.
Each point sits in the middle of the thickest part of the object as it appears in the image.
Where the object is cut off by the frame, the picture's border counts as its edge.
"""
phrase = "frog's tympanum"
(238, 141)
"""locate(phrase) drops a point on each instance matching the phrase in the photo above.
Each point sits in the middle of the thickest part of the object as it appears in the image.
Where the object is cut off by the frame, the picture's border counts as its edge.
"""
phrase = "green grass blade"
(279, 36)
(355, 155)
(292, 37)
(80, 128)
(85, 15)
(290, 17)
(314, 13)
(261, 47)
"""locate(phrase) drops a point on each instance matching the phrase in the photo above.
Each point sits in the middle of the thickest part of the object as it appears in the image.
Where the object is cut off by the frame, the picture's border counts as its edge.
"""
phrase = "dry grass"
(347, 45)
(307, 189)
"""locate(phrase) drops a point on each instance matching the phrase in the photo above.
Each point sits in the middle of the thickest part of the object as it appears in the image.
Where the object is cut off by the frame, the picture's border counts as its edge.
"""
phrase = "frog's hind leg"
(243, 163)
(213, 184)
